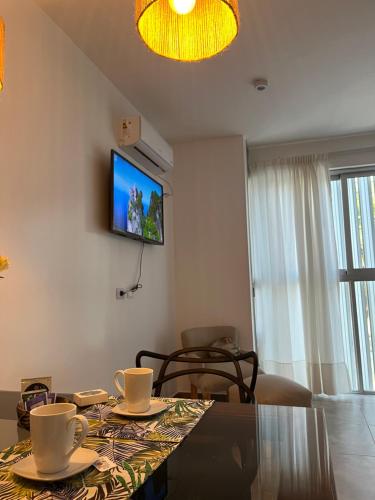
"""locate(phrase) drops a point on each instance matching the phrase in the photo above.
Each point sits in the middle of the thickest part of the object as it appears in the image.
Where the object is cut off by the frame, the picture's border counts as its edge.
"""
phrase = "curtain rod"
(350, 158)
(346, 152)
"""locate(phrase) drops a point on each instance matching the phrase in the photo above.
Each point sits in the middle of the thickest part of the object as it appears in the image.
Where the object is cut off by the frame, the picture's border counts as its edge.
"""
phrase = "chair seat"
(212, 383)
(276, 390)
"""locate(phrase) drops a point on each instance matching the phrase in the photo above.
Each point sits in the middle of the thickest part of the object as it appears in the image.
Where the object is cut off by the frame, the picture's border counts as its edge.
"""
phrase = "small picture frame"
(28, 397)
(39, 400)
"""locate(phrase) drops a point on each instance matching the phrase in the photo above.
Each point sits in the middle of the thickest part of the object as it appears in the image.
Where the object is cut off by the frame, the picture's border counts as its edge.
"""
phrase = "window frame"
(351, 275)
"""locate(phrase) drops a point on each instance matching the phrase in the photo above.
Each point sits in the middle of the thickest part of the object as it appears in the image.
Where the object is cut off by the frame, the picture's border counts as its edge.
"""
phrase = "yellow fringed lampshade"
(2, 43)
(201, 33)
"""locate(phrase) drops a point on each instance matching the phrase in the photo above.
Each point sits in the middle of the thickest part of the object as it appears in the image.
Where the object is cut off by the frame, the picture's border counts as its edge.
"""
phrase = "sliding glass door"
(353, 201)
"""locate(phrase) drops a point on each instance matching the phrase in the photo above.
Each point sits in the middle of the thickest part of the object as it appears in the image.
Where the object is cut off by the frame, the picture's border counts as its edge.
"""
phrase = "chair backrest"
(206, 335)
(246, 393)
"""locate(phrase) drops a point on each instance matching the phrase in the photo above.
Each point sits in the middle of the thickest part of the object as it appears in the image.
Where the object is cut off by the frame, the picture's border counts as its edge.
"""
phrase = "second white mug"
(136, 388)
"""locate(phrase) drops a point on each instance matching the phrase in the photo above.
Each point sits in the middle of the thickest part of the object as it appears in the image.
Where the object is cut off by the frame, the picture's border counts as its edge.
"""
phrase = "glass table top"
(249, 452)
(240, 452)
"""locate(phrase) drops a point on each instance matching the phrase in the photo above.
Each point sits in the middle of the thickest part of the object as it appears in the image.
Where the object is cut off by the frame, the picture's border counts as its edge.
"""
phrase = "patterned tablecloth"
(137, 447)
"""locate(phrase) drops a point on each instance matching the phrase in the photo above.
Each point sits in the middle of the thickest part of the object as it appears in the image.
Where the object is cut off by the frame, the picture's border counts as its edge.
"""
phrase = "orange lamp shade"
(187, 30)
(2, 43)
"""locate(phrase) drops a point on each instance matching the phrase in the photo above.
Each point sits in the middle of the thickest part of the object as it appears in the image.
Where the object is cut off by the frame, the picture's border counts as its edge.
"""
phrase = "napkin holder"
(24, 415)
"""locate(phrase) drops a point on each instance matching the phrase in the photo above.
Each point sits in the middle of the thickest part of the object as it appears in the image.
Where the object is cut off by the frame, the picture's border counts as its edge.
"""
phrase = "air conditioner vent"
(140, 141)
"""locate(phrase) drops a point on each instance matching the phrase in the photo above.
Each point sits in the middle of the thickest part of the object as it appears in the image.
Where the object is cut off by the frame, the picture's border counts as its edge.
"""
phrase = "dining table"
(233, 451)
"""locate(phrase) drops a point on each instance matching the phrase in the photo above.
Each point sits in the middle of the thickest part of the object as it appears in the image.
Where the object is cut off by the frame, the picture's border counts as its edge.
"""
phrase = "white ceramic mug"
(136, 389)
(52, 429)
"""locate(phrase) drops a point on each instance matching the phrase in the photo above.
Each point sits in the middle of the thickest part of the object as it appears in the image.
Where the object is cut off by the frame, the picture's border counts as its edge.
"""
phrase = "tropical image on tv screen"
(137, 201)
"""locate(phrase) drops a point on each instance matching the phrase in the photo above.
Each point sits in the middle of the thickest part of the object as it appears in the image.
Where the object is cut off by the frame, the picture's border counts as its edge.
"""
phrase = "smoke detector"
(261, 84)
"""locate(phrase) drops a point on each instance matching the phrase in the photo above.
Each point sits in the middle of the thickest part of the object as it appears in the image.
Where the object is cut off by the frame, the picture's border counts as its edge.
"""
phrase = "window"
(353, 203)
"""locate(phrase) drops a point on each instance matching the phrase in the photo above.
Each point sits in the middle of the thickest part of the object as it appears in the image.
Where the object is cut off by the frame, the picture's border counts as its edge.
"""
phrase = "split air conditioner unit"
(142, 143)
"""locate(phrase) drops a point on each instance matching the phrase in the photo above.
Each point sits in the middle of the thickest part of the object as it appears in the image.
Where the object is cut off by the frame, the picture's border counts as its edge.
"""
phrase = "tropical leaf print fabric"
(152, 441)
(173, 425)
(135, 461)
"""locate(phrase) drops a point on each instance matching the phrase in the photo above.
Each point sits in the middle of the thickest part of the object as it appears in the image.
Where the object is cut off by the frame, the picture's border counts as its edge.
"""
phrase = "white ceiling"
(317, 54)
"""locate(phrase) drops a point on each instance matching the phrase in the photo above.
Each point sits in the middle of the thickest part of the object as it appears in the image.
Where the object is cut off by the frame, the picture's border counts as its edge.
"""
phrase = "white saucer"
(81, 459)
(155, 408)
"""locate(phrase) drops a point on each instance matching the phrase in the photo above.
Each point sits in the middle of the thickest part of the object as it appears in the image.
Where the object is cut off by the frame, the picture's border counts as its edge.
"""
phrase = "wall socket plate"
(120, 293)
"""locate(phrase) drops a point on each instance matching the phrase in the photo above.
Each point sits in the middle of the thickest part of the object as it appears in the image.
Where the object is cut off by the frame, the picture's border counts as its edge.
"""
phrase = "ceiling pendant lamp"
(187, 30)
(2, 43)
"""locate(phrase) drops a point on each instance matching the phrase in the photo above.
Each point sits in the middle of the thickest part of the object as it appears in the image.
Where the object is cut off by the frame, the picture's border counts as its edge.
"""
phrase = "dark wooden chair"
(182, 356)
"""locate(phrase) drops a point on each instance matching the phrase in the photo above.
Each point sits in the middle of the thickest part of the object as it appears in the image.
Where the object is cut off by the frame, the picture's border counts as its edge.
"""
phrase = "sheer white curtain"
(295, 273)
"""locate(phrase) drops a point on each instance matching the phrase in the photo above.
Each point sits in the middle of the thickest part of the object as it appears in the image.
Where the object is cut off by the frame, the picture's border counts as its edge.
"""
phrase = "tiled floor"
(351, 433)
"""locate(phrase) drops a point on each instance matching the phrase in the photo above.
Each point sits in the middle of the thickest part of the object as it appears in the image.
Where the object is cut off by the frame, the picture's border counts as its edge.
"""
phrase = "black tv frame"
(127, 234)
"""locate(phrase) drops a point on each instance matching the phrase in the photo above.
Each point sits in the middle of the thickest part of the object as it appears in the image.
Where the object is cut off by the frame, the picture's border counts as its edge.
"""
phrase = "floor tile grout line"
(368, 426)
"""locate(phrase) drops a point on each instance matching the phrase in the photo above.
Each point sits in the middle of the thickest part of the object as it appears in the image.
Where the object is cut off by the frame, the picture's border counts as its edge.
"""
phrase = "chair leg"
(193, 391)
(206, 395)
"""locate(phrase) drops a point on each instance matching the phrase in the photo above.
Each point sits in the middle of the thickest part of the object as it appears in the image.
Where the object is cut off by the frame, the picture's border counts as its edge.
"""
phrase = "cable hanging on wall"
(129, 292)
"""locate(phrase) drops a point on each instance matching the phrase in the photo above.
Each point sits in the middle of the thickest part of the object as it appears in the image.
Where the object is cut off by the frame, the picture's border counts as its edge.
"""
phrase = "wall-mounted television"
(137, 202)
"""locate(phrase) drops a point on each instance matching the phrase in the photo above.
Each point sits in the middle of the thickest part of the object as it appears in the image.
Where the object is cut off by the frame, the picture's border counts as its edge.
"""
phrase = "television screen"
(137, 202)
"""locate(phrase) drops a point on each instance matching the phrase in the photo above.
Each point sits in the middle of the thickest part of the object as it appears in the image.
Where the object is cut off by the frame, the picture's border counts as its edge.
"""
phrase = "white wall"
(212, 272)
(58, 313)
